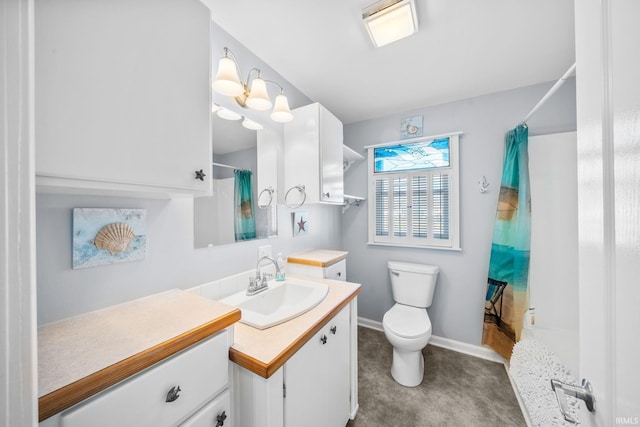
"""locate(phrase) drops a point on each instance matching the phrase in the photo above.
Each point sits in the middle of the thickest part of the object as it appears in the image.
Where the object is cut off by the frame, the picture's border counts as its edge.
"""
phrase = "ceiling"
(464, 48)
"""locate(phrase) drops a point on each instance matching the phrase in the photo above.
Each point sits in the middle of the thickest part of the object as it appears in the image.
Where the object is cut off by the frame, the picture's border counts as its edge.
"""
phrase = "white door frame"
(18, 346)
(608, 107)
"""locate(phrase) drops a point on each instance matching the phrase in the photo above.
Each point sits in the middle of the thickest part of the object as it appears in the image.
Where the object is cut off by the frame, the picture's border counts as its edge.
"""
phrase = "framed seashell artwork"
(411, 127)
(108, 236)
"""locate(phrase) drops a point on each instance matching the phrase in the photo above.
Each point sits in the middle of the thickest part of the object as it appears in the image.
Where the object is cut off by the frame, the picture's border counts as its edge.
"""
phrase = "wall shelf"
(351, 201)
(349, 157)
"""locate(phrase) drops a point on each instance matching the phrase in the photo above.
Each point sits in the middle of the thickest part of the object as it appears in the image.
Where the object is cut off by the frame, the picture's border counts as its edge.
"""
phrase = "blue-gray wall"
(458, 306)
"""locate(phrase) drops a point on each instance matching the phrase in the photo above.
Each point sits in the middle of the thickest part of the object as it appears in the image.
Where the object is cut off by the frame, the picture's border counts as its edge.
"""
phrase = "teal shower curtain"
(507, 296)
(244, 215)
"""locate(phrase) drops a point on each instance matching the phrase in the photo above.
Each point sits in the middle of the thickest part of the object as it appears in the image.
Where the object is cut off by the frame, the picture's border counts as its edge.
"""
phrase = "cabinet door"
(313, 155)
(338, 369)
(270, 173)
(302, 155)
(215, 413)
(332, 170)
(123, 94)
(317, 378)
(305, 378)
(337, 271)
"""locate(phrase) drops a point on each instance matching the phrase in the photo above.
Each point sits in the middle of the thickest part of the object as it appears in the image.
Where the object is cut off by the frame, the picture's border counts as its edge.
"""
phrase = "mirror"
(239, 210)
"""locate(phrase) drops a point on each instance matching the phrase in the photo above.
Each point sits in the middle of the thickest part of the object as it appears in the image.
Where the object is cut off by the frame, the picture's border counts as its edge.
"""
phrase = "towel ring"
(301, 189)
(269, 190)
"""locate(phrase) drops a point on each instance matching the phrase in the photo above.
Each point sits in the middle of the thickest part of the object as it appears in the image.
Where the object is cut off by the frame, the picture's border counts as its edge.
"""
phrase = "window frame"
(453, 172)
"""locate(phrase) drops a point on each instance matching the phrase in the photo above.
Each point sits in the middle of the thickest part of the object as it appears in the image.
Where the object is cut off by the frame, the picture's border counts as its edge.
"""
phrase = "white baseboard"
(459, 346)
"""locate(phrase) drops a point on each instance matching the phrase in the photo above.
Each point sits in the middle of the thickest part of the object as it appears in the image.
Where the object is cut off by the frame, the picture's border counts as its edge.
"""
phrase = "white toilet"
(407, 325)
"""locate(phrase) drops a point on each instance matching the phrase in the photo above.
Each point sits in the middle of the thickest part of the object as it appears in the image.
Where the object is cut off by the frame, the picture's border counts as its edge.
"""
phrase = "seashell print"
(115, 237)
(411, 129)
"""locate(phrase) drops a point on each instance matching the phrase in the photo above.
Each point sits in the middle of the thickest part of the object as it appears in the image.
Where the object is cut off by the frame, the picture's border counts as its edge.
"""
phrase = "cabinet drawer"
(215, 413)
(200, 371)
(337, 271)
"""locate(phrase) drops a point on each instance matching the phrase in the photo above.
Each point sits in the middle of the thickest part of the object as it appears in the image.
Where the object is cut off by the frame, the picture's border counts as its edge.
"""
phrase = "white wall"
(553, 273)
(457, 310)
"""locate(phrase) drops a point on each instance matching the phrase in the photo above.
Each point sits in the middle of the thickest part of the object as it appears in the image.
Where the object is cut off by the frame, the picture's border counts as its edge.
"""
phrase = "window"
(413, 188)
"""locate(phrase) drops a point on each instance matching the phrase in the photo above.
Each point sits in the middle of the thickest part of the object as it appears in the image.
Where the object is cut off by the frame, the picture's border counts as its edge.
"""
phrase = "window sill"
(401, 245)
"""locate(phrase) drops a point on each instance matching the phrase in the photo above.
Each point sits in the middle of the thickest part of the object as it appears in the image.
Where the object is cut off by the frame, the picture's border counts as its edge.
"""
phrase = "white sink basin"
(281, 302)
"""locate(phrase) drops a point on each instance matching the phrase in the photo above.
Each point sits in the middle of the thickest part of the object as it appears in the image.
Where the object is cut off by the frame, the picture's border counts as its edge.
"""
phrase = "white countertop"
(74, 349)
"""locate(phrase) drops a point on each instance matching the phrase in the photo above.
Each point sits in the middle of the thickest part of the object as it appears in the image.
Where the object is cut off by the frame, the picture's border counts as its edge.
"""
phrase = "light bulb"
(227, 81)
(281, 112)
(258, 96)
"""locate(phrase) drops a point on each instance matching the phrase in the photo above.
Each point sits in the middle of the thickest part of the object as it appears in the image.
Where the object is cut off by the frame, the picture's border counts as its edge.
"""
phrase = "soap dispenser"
(280, 275)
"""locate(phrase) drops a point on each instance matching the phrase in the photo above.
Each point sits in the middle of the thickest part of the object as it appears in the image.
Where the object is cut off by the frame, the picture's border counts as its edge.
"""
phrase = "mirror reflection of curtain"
(245, 221)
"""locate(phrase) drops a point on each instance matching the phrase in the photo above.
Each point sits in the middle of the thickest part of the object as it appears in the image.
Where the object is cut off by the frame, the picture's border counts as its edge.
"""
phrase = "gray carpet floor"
(458, 390)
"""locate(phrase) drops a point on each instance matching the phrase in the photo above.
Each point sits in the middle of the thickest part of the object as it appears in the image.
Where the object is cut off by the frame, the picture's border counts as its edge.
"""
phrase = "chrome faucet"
(260, 282)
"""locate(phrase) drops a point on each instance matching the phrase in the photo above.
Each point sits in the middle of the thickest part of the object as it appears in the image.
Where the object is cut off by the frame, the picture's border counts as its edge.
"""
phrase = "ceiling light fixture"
(252, 94)
(390, 20)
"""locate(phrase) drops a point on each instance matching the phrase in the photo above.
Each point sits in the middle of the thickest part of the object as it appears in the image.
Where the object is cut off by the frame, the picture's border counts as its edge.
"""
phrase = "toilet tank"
(413, 284)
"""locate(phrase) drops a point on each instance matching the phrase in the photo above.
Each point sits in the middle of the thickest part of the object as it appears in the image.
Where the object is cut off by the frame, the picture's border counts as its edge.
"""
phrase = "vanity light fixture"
(390, 20)
(252, 94)
(225, 113)
(250, 124)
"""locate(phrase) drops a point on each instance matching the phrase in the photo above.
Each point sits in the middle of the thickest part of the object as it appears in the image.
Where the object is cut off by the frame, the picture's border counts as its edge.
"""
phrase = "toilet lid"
(407, 322)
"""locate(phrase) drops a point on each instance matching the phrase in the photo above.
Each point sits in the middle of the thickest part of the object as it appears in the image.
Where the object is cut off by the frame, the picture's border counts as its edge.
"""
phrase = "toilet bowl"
(407, 325)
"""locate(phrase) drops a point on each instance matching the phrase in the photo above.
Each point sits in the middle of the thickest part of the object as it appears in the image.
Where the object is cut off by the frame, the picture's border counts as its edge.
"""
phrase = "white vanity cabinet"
(192, 383)
(336, 271)
(317, 386)
(313, 157)
(317, 378)
(123, 97)
(319, 263)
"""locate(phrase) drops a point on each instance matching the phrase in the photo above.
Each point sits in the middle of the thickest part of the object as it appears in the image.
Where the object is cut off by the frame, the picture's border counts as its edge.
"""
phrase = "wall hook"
(483, 184)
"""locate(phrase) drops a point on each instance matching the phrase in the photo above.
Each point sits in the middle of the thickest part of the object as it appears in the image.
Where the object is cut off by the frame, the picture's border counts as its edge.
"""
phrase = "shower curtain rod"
(548, 95)
(225, 166)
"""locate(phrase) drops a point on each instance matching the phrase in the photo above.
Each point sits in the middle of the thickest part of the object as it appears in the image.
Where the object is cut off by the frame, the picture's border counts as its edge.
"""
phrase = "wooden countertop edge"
(265, 370)
(67, 396)
(315, 262)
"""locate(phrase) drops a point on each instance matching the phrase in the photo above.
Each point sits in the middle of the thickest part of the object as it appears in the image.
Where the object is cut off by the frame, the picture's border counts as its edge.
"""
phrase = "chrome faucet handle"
(584, 392)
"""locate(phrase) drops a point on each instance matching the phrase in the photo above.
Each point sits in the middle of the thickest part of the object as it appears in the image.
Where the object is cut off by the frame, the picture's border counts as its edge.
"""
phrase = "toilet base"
(407, 367)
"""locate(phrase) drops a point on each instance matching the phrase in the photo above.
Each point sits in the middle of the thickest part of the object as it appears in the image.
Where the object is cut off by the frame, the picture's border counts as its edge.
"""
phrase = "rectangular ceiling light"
(390, 20)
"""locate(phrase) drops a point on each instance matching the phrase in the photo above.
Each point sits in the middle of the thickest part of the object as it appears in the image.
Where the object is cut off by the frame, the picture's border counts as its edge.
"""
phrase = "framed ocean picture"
(108, 236)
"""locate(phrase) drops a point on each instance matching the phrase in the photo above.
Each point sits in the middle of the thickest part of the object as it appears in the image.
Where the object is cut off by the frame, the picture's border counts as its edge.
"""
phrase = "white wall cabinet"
(146, 400)
(122, 99)
(313, 157)
(317, 386)
(270, 171)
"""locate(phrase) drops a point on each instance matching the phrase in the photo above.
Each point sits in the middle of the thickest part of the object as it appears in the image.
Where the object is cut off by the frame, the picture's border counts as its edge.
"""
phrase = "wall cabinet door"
(317, 377)
(123, 96)
(313, 157)
(270, 170)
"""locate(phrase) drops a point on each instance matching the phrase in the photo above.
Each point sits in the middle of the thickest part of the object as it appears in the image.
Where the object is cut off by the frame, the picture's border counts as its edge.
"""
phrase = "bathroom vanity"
(321, 263)
(159, 360)
(163, 360)
(302, 372)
